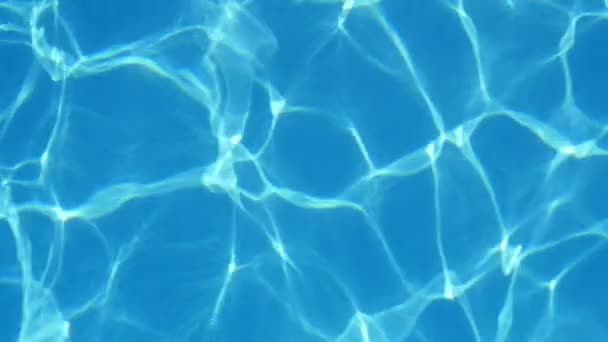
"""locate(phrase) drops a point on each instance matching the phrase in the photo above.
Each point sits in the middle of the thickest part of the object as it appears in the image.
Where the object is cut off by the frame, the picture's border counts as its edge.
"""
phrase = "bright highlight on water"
(303, 170)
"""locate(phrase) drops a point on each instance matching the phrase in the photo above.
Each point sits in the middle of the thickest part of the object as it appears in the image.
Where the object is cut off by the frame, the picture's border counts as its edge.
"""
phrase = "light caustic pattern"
(303, 170)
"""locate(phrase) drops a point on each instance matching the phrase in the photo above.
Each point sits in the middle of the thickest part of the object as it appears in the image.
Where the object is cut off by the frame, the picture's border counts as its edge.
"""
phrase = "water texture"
(304, 170)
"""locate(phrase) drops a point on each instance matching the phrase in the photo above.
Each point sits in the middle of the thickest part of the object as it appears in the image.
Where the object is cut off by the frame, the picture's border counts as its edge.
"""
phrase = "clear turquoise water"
(277, 170)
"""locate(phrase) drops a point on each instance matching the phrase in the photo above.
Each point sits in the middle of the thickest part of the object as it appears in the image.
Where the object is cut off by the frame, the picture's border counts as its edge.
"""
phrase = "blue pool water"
(303, 170)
